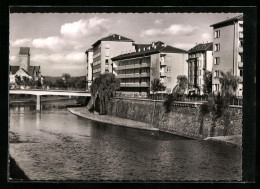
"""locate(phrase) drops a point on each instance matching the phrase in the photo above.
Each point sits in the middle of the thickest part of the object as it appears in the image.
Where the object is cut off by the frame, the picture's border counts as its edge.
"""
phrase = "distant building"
(228, 50)
(138, 69)
(89, 60)
(107, 47)
(24, 68)
(200, 59)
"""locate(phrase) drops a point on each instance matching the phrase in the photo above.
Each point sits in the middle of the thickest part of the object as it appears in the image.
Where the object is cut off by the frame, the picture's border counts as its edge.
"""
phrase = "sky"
(58, 41)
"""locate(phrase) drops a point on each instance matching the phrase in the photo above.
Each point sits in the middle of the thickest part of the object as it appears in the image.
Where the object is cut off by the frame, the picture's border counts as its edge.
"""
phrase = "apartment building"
(228, 51)
(106, 48)
(89, 61)
(200, 60)
(138, 69)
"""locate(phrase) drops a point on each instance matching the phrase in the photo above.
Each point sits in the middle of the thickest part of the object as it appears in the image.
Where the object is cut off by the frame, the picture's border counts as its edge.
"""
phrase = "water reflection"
(58, 145)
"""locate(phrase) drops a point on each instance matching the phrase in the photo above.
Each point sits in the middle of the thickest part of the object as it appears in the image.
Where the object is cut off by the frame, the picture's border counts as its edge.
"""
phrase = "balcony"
(240, 65)
(143, 65)
(241, 35)
(240, 49)
(145, 84)
(162, 62)
(132, 66)
(162, 74)
(134, 84)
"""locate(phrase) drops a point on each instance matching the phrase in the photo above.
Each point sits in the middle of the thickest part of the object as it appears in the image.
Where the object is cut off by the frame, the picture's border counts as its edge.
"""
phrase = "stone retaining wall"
(184, 119)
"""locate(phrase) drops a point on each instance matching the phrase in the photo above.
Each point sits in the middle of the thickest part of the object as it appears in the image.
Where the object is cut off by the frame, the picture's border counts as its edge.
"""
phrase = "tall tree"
(182, 85)
(207, 86)
(157, 85)
(104, 87)
(18, 80)
(228, 83)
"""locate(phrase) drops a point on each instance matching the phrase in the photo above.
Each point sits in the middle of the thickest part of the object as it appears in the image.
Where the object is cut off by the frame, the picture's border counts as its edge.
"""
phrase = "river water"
(56, 145)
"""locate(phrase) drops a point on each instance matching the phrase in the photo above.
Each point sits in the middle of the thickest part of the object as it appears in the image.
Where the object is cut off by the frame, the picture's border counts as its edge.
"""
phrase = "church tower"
(24, 56)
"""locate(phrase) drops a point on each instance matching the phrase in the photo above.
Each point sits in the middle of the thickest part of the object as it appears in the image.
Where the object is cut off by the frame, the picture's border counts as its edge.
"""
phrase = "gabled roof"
(113, 37)
(202, 47)
(228, 21)
(24, 51)
(13, 69)
(155, 47)
(33, 69)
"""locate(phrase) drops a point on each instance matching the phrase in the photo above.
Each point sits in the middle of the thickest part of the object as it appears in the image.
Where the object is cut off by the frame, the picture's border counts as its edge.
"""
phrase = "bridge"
(40, 93)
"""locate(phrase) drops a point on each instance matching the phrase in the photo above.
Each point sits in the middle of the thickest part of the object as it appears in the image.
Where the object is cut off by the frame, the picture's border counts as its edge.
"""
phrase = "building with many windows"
(228, 51)
(136, 70)
(200, 60)
(89, 60)
(106, 48)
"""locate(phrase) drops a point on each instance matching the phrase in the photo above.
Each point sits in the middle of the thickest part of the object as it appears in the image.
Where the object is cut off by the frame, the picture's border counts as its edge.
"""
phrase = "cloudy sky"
(58, 41)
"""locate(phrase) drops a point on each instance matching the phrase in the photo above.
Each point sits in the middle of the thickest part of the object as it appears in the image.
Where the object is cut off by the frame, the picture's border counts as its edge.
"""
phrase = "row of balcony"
(132, 66)
(136, 75)
(144, 84)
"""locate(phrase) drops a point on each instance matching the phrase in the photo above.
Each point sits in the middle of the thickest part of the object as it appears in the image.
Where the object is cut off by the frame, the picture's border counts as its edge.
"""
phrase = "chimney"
(119, 37)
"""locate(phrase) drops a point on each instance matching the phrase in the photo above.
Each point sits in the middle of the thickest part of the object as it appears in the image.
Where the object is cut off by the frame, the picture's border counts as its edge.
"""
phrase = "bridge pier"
(38, 103)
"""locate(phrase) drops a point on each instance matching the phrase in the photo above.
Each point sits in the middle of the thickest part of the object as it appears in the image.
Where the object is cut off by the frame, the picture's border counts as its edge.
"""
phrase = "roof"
(155, 47)
(89, 50)
(202, 47)
(24, 50)
(228, 21)
(140, 46)
(33, 69)
(13, 69)
(113, 37)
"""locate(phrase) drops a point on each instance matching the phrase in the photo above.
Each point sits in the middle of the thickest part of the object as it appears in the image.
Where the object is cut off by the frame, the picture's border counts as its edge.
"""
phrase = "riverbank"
(83, 112)
(234, 140)
(16, 173)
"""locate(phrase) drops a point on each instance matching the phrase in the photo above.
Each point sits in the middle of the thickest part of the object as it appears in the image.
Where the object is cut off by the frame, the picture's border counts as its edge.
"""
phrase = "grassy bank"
(15, 172)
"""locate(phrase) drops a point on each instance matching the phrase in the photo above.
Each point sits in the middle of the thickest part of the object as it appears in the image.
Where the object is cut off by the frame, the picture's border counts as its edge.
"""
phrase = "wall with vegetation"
(184, 119)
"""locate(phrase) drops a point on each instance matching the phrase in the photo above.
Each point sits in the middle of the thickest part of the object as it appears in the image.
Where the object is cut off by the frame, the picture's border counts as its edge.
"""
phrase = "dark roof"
(228, 21)
(24, 50)
(34, 70)
(202, 47)
(113, 37)
(89, 50)
(13, 69)
(155, 47)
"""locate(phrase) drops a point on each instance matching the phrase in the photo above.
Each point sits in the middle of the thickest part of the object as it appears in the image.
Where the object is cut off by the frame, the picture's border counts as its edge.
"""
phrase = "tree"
(66, 76)
(157, 85)
(18, 80)
(25, 81)
(182, 85)
(81, 83)
(103, 87)
(228, 83)
(207, 86)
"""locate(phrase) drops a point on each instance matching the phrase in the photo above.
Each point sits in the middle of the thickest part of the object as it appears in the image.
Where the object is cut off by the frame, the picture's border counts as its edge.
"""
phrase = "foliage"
(229, 84)
(103, 87)
(81, 83)
(66, 76)
(18, 80)
(25, 81)
(207, 86)
(182, 85)
(169, 102)
(157, 85)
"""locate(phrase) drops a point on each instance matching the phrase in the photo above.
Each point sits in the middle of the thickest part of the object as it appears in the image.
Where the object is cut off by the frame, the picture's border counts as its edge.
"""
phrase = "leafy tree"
(207, 86)
(18, 80)
(25, 81)
(103, 87)
(157, 85)
(66, 76)
(60, 83)
(228, 83)
(81, 83)
(182, 85)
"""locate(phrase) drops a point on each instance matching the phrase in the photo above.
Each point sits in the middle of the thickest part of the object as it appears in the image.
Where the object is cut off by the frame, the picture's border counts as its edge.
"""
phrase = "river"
(56, 145)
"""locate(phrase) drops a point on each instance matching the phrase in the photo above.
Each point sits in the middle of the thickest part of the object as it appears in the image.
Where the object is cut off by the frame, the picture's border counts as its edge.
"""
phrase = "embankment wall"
(184, 119)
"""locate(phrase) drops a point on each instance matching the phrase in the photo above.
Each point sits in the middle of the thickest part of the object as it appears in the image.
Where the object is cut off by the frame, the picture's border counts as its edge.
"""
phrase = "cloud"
(61, 59)
(185, 46)
(52, 43)
(21, 42)
(13, 59)
(206, 37)
(158, 21)
(84, 28)
(174, 29)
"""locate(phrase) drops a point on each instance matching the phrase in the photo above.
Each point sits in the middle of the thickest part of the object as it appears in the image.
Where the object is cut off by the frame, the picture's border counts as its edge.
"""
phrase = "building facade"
(228, 51)
(200, 60)
(106, 48)
(138, 69)
(89, 60)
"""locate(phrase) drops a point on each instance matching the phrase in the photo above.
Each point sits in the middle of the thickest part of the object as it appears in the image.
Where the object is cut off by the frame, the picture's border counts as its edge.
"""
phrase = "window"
(216, 73)
(107, 52)
(199, 81)
(199, 63)
(169, 79)
(168, 69)
(200, 73)
(216, 87)
(241, 73)
(217, 47)
(216, 60)
(107, 61)
(241, 58)
(217, 34)
(241, 42)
